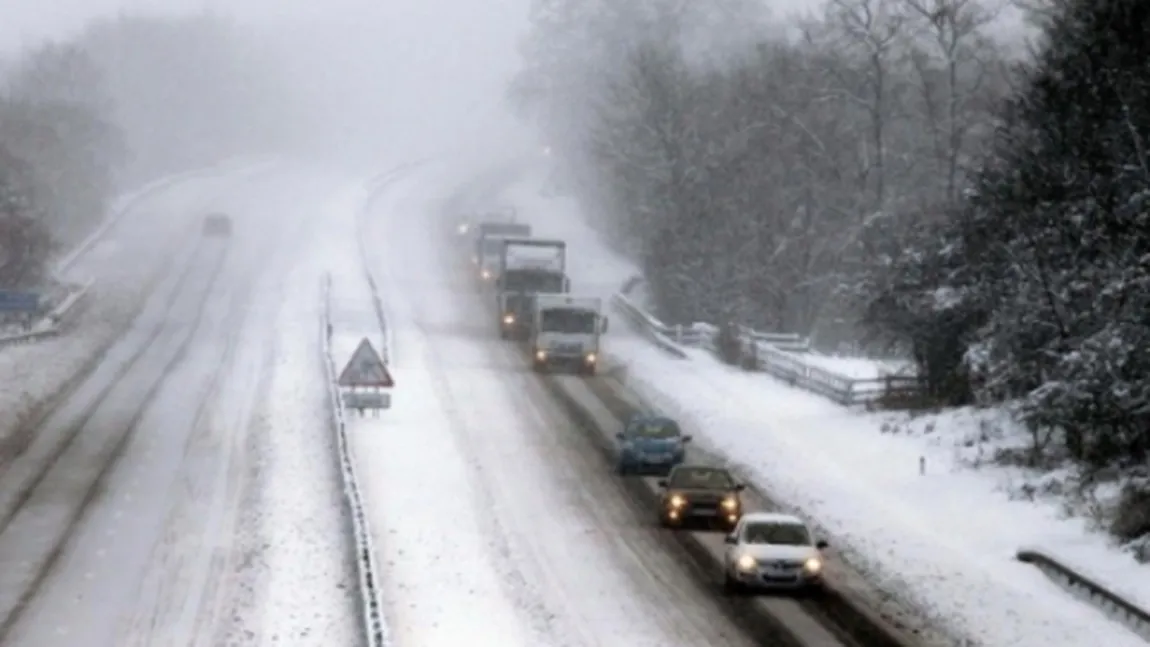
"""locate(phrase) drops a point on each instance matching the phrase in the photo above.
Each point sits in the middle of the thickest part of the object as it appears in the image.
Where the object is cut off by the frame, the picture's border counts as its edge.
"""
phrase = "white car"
(769, 551)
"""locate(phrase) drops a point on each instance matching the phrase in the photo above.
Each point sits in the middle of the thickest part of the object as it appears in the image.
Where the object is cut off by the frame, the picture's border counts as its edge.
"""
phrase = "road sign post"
(365, 377)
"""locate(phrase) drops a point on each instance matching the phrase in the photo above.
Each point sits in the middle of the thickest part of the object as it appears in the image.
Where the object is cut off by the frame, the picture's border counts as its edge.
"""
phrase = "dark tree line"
(125, 101)
(889, 178)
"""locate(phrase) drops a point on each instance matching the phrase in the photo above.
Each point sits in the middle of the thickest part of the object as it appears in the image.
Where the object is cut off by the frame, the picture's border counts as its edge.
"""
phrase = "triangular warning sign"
(365, 368)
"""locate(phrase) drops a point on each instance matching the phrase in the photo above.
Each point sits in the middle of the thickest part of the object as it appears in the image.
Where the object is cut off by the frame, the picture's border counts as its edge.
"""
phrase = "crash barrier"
(373, 188)
(129, 201)
(374, 624)
(60, 317)
(1088, 590)
(777, 354)
(56, 321)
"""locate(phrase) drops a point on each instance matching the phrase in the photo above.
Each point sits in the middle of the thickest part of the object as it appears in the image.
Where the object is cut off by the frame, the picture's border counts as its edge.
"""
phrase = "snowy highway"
(494, 522)
(127, 518)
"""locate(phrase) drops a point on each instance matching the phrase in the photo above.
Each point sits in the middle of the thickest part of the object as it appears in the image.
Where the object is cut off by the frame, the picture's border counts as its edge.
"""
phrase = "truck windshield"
(569, 320)
(492, 246)
(532, 281)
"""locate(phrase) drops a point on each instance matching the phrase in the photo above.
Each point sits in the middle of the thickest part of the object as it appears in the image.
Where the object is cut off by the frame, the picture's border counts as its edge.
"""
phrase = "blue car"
(650, 444)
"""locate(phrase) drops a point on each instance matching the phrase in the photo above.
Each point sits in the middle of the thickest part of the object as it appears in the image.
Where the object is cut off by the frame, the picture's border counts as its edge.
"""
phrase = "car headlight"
(746, 563)
(677, 501)
(485, 274)
(590, 358)
(813, 566)
(508, 319)
(730, 503)
(462, 229)
(540, 355)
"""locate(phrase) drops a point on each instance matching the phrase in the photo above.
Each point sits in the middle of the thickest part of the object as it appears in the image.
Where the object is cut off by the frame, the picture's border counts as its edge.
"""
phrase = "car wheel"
(731, 586)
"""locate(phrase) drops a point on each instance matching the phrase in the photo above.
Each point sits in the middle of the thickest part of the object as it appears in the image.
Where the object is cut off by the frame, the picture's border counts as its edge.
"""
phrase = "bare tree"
(951, 52)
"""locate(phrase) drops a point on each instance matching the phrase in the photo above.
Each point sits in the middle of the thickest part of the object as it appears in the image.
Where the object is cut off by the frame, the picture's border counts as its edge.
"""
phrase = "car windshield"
(532, 281)
(569, 320)
(777, 533)
(654, 429)
(701, 478)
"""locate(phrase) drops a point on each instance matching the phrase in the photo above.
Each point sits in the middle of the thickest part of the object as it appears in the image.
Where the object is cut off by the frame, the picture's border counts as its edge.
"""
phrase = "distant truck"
(217, 225)
(489, 245)
(527, 266)
(565, 333)
(467, 223)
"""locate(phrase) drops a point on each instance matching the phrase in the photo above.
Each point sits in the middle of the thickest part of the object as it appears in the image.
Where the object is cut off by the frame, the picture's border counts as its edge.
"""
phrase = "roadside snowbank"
(943, 540)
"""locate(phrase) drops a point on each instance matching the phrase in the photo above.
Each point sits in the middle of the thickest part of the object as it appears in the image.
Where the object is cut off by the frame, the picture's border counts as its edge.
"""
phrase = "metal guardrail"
(374, 624)
(1133, 617)
(57, 320)
(777, 354)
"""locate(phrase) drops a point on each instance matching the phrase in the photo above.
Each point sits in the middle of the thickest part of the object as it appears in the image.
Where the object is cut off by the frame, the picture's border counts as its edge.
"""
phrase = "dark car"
(694, 493)
(217, 225)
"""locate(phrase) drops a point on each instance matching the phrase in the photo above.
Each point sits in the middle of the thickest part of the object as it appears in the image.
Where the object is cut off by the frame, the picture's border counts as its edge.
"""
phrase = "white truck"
(565, 332)
(527, 266)
(489, 245)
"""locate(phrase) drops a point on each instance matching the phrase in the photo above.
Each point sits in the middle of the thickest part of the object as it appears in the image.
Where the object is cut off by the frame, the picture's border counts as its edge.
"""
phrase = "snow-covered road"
(167, 500)
(940, 542)
(494, 520)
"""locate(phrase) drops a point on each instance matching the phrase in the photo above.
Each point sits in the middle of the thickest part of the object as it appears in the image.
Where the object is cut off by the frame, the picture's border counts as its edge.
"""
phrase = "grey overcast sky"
(27, 23)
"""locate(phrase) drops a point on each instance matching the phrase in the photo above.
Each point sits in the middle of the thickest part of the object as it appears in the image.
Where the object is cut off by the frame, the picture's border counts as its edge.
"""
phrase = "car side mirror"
(605, 323)
(566, 285)
(821, 544)
(687, 439)
(731, 539)
(740, 487)
(663, 483)
(620, 435)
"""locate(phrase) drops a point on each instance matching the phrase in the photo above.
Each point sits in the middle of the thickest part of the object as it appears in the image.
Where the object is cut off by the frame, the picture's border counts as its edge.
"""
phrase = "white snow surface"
(945, 539)
(31, 373)
(859, 368)
(482, 539)
(225, 527)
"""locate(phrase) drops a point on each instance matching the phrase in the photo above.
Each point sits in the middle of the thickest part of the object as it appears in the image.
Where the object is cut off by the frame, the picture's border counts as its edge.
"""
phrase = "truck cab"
(489, 246)
(527, 266)
(517, 289)
(565, 333)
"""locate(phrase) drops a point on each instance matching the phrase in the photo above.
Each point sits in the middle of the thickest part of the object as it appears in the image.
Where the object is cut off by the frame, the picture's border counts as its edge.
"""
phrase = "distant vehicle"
(698, 493)
(772, 551)
(489, 245)
(650, 444)
(217, 225)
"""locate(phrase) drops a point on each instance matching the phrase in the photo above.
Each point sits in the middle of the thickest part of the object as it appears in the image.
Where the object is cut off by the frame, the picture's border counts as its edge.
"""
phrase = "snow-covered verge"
(31, 374)
(914, 503)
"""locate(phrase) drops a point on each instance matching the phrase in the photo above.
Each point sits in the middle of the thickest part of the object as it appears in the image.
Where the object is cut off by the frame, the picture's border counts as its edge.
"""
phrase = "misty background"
(875, 174)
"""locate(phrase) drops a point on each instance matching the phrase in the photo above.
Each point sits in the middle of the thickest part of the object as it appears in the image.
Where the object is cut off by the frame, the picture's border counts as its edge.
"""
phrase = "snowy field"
(945, 538)
(859, 368)
(220, 523)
